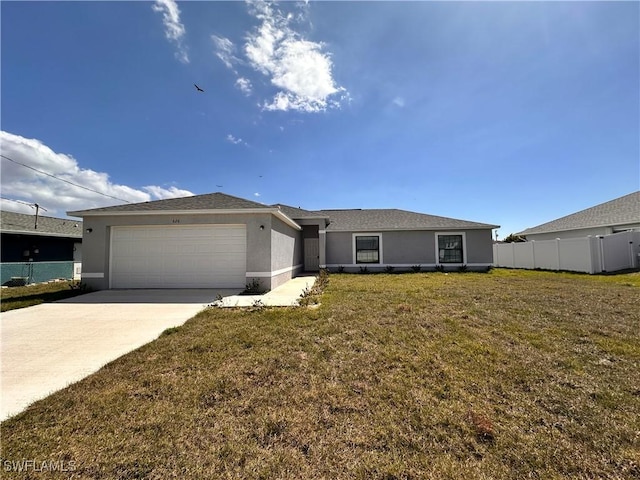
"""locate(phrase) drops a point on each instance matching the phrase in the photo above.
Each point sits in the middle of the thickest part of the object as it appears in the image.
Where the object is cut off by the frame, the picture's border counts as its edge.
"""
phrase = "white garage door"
(193, 256)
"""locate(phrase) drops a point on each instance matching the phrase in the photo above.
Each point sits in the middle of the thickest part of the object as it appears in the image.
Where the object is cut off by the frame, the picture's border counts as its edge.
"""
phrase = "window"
(450, 248)
(367, 249)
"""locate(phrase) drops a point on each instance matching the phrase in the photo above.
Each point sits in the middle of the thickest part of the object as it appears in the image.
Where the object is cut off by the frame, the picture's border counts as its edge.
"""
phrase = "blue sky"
(509, 113)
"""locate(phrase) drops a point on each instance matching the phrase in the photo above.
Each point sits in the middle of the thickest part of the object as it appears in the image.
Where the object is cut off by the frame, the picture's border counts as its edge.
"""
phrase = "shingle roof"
(340, 220)
(21, 223)
(209, 201)
(393, 219)
(621, 211)
(297, 212)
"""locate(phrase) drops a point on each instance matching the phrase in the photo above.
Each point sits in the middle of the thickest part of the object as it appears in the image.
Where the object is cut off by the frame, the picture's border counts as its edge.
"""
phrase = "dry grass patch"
(501, 375)
(12, 298)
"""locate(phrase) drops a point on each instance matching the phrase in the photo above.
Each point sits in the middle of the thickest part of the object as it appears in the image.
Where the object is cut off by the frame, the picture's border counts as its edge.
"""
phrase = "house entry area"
(311, 247)
(184, 256)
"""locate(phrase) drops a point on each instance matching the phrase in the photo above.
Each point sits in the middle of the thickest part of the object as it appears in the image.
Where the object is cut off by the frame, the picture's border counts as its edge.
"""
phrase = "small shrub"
(311, 296)
(416, 268)
(253, 288)
(364, 270)
(341, 269)
(389, 269)
(440, 268)
(463, 268)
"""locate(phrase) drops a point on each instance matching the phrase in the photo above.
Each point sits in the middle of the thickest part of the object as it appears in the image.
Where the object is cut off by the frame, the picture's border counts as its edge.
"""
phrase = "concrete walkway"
(47, 347)
(285, 295)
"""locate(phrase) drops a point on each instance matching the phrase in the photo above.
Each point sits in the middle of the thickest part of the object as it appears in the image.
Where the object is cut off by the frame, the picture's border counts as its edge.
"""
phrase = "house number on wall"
(175, 220)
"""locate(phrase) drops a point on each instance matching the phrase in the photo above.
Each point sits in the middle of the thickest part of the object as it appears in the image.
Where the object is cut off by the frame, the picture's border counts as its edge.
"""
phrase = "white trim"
(92, 274)
(413, 229)
(464, 248)
(37, 233)
(402, 265)
(366, 234)
(274, 273)
(322, 231)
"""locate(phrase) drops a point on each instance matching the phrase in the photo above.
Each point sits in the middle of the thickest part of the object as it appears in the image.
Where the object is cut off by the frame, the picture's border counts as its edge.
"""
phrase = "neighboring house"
(220, 241)
(39, 249)
(619, 215)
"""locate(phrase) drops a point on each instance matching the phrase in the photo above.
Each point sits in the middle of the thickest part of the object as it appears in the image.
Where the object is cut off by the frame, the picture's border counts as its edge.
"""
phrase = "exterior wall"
(404, 249)
(408, 248)
(339, 249)
(35, 272)
(50, 249)
(286, 253)
(479, 247)
(583, 232)
(96, 244)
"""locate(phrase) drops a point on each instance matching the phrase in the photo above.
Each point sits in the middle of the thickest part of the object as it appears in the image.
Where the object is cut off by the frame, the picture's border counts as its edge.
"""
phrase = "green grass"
(502, 375)
(12, 298)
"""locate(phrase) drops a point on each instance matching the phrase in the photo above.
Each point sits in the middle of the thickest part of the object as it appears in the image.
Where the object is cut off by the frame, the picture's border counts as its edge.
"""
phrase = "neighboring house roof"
(393, 219)
(621, 211)
(24, 224)
(209, 201)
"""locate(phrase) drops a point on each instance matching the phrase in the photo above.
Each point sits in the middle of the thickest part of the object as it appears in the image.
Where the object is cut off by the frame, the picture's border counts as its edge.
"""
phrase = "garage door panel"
(207, 256)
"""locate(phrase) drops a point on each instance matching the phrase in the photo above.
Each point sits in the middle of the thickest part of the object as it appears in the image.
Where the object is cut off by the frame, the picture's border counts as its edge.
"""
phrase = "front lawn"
(29, 295)
(504, 375)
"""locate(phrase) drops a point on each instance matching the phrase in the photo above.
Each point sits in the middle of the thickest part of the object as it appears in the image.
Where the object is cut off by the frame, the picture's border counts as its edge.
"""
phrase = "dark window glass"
(450, 249)
(368, 249)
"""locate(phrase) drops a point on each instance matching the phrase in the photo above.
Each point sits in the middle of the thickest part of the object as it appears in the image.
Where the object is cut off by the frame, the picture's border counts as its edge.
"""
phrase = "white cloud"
(234, 140)
(257, 194)
(58, 197)
(299, 68)
(244, 85)
(398, 102)
(225, 49)
(173, 29)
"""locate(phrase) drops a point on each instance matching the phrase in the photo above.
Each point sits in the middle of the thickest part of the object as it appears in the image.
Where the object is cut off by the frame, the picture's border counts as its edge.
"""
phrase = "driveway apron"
(47, 347)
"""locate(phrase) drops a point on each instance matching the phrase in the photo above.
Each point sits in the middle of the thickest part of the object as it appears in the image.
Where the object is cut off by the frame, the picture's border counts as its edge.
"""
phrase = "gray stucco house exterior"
(220, 241)
(618, 215)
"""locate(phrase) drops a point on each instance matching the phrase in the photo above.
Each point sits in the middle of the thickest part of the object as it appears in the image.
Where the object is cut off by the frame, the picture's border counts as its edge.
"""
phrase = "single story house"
(619, 215)
(39, 248)
(220, 241)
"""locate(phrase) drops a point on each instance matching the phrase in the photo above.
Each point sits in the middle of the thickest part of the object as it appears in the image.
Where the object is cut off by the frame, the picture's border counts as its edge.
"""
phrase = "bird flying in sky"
(198, 88)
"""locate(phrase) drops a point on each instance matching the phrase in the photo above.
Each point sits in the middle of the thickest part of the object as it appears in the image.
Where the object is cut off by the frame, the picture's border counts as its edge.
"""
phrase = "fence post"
(533, 254)
(558, 254)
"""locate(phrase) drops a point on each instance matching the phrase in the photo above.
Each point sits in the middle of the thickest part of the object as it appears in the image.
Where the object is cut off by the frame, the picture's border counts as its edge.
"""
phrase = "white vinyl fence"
(608, 253)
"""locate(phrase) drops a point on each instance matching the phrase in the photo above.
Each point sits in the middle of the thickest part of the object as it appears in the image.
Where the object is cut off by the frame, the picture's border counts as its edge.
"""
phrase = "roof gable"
(20, 223)
(620, 211)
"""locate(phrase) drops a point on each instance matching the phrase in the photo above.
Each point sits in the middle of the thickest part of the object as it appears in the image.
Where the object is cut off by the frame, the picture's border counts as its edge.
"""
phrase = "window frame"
(464, 247)
(355, 251)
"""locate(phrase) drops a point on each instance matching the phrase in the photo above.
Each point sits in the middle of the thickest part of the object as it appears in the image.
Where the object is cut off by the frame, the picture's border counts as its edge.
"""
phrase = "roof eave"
(43, 234)
(229, 211)
(534, 231)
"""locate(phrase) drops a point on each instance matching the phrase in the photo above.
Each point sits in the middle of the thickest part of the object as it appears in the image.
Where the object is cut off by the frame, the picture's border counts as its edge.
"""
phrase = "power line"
(32, 205)
(62, 179)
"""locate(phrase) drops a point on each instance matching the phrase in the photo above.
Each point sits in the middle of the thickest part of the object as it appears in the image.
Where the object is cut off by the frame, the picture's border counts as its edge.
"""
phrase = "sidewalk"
(285, 295)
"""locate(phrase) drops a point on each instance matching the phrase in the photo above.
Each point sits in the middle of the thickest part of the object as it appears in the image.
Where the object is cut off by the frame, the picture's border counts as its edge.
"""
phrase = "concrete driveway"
(49, 346)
